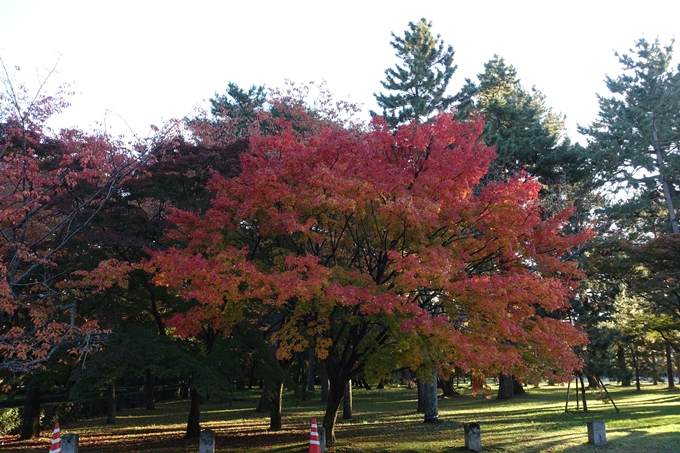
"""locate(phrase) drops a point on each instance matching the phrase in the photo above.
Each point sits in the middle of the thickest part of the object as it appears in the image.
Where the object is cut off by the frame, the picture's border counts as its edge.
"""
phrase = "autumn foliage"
(51, 187)
(368, 241)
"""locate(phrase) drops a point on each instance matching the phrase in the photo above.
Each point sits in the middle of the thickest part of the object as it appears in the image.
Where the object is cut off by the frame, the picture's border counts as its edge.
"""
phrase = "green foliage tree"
(634, 142)
(419, 83)
(525, 133)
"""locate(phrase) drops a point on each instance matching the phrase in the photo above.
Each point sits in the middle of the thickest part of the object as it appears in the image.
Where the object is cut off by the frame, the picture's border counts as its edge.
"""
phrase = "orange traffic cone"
(314, 445)
(55, 446)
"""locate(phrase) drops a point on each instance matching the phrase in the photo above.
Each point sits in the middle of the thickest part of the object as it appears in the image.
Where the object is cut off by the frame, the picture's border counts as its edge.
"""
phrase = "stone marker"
(207, 441)
(69, 443)
(322, 438)
(596, 433)
(473, 436)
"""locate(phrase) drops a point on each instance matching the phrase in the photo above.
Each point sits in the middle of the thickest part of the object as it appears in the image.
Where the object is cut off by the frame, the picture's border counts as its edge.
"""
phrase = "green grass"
(385, 421)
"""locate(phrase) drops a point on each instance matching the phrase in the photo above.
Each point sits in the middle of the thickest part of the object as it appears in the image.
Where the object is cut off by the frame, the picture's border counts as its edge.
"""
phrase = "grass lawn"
(385, 421)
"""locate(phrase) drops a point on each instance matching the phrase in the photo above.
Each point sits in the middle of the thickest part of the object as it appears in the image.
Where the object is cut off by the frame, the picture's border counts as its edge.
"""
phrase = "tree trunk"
(592, 381)
(193, 423)
(149, 387)
(310, 370)
(447, 388)
(637, 367)
(623, 369)
(324, 384)
(505, 387)
(583, 394)
(347, 402)
(517, 387)
(336, 392)
(30, 421)
(276, 406)
(420, 408)
(677, 364)
(430, 403)
(664, 182)
(655, 379)
(669, 366)
(111, 417)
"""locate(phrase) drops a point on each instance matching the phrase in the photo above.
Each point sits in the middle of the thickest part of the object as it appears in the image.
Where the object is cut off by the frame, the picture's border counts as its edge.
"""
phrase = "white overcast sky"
(148, 61)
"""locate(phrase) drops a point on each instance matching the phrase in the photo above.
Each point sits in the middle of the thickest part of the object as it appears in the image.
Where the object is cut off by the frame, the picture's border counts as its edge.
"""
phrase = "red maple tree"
(373, 245)
(51, 187)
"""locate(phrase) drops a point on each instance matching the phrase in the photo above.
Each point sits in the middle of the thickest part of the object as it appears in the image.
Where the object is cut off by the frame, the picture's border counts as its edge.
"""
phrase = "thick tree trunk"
(194, 421)
(275, 407)
(420, 408)
(111, 416)
(30, 421)
(623, 369)
(347, 402)
(592, 381)
(430, 402)
(447, 388)
(669, 366)
(336, 392)
(505, 387)
(150, 389)
(517, 387)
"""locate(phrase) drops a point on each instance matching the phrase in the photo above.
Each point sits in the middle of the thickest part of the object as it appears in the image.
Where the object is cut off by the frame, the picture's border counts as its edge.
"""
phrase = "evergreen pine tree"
(418, 84)
(635, 141)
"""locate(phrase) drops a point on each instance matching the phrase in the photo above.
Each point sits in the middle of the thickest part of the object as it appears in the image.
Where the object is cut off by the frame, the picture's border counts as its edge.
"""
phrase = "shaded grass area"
(385, 421)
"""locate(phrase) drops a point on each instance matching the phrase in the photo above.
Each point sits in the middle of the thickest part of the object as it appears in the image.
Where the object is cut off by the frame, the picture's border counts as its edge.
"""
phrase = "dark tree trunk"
(30, 421)
(447, 388)
(633, 351)
(381, 385)
(264, 403)
(184, 390)
(194, 421)
(505, 387)
(592, 381)
(149, 387)
(324, 383)
(669, 366)
(517, 387)
(430, 403)
(623, 369)
(111, 417)
(336, 393)
(310, 370)
(583, 394)
(276, 406)
(347, 402)
(420, 408)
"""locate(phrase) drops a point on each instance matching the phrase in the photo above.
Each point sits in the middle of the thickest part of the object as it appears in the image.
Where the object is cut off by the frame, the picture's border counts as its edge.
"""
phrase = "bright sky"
(147, 61)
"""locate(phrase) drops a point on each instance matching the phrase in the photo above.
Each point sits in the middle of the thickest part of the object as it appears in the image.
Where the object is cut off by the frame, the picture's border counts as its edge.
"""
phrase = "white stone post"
(207, 441)
(597, 435)
(473, 436)
(69, 443)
